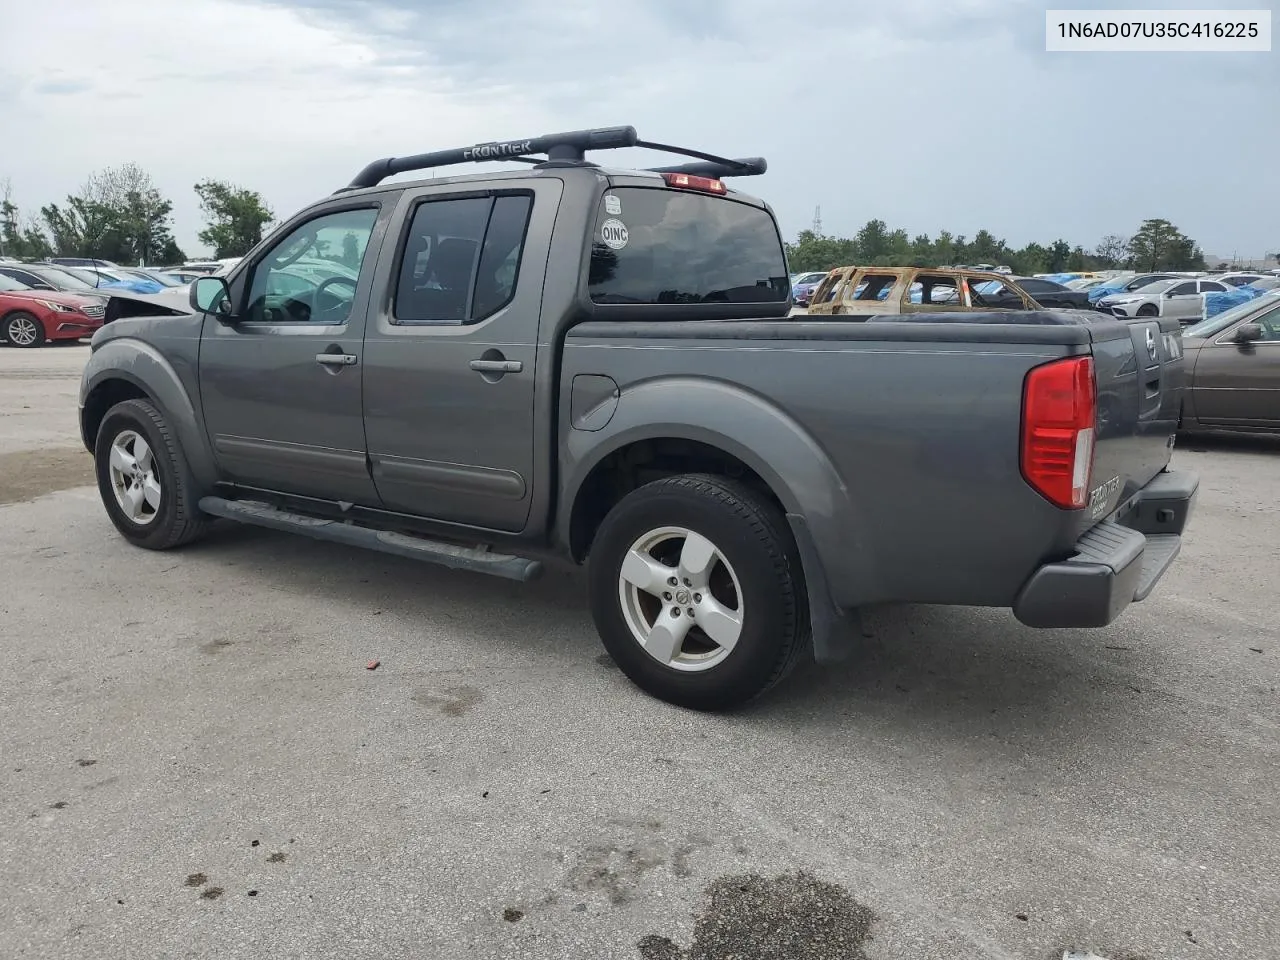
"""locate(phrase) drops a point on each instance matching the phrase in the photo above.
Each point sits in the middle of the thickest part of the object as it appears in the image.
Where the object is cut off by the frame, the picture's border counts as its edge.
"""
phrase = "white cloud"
(926, 115)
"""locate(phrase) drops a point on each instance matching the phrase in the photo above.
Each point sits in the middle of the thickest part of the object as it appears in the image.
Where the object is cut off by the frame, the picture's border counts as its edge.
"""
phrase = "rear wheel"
(22, 329)
(696, 591)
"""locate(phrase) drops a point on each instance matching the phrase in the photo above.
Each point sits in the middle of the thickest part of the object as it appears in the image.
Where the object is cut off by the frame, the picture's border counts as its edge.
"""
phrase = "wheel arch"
(129, 369)
(740, 430)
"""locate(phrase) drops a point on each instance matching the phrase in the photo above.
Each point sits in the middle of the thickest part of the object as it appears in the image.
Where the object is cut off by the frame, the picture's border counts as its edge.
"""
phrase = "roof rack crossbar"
(559, 148)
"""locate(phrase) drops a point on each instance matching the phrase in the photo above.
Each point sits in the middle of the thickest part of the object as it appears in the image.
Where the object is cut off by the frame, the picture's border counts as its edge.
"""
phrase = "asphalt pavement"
(197, 761)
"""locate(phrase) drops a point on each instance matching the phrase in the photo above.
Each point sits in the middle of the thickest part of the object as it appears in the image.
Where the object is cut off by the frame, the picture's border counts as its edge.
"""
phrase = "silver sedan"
(1164, 298)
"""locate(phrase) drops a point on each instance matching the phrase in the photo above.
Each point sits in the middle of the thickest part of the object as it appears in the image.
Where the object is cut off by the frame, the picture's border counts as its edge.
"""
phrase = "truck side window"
(310, 276)
(461, 259)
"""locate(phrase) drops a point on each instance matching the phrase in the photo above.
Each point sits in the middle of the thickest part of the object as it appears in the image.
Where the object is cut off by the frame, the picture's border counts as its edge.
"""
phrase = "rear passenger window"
(461, 259)
(874, 286)
(1182, 289)
(937, 290)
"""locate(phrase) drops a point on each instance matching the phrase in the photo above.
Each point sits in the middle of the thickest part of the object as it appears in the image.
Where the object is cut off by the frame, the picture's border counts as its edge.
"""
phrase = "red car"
(29, 317)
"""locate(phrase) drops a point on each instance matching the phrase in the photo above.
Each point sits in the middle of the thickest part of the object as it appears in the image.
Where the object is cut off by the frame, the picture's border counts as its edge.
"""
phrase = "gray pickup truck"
(571, 361)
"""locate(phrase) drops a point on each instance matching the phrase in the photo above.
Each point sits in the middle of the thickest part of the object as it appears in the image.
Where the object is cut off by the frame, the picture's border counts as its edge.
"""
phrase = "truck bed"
(919, 418)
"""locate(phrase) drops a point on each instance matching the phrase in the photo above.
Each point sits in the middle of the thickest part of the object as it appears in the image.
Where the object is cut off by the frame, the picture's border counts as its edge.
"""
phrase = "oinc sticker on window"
(614, 234)
(612, 205)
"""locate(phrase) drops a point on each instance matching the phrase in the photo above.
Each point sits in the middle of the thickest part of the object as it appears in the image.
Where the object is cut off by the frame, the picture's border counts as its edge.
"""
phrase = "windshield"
(10, 285)
(1213, 325)
(1155, 286)
(657, 246)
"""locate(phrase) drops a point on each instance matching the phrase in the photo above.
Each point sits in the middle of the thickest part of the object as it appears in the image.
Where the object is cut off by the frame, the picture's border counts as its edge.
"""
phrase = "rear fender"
(829, 532)
(147, 369)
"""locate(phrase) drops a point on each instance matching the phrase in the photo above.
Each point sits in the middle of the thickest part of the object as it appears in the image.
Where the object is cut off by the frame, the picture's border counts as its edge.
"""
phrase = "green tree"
(873, 242)
(1059, 254)
(812, 251)
(24, 241)
(1159, 245)
(118, 214)
(1112, 250)
(236, 217)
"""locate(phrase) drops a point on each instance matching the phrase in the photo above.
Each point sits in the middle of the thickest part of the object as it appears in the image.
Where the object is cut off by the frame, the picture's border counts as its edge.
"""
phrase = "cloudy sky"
(929, 114)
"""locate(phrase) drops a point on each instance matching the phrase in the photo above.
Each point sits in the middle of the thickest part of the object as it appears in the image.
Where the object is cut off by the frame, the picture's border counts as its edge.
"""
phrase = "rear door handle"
(497, 366)
(336, 359)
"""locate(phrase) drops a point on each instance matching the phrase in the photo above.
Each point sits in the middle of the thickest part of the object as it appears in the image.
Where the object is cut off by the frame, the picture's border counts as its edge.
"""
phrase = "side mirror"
(1248, 333)
(211, 295)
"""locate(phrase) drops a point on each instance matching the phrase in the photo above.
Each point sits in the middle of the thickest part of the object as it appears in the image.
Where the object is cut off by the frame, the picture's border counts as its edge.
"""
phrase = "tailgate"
(1138, 367)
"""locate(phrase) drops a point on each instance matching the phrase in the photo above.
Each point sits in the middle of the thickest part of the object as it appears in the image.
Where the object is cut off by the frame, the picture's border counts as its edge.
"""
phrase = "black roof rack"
(560, 149)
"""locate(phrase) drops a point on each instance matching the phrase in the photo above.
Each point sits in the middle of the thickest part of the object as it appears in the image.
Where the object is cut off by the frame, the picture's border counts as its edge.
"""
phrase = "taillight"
(1059, 410)
(684, 181)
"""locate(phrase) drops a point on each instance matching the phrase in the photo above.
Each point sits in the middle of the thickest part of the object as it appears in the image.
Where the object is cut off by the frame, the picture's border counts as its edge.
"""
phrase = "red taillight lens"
(685, 182)
(1059, 410)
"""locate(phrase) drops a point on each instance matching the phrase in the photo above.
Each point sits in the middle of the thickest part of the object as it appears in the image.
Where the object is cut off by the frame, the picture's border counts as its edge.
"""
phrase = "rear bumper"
(1118, 562)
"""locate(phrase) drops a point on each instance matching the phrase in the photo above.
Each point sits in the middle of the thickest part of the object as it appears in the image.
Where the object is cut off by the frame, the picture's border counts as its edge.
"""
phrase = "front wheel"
(22, 329)
(696, 591)
(1148, 310)
(143, 478)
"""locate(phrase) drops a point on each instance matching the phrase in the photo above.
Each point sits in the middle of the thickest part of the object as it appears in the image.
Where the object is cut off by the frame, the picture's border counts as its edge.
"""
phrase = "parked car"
(1239, 279)
(555, 362)
(1165, 298)
(43, 276)
(803, 286)
(1128, 284)
(1233, 370)
(1047, 293)
(31, 318)
(112, 279)
(865, 291)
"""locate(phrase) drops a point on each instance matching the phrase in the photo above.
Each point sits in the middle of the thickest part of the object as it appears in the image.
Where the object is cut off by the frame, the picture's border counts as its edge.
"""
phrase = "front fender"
(753, 430)
(142, 365)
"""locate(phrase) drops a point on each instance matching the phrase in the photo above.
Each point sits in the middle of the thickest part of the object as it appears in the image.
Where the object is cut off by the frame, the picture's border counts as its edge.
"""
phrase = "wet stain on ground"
(512, 915)
(215, 646)
(195, 880)
(794, 915)
(276, 857)
(60, 805)
(86, 763)
(606, 661)
(452, 701)
(213, 893)
(28, 474)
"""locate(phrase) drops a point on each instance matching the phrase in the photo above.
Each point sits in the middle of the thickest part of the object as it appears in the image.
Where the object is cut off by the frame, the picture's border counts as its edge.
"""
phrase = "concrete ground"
(197, 763)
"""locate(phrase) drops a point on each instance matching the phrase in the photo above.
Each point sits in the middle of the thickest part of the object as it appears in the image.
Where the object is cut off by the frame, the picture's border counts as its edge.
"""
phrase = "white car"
(1164, 298)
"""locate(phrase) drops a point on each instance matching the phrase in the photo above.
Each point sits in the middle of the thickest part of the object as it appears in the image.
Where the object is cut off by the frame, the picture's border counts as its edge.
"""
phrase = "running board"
(384, 541)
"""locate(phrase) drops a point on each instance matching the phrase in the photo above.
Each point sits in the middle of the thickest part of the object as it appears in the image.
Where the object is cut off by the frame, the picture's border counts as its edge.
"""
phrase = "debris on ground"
(373, 664)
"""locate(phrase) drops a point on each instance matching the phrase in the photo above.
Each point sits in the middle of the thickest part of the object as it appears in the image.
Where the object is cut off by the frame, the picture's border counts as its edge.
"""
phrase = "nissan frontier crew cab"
(579, 361)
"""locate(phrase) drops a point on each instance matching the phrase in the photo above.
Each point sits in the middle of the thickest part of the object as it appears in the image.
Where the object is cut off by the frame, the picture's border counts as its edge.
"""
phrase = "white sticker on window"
(612, 205)
(614, 234)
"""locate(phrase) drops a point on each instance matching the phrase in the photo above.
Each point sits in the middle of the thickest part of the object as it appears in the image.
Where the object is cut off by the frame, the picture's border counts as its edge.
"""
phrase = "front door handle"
(336, 359)
(497, 366)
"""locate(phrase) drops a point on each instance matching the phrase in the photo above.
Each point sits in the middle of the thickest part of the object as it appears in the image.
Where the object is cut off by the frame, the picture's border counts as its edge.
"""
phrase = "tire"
(166, 514)
(22, 329)
(666, 529)
(1148, 310)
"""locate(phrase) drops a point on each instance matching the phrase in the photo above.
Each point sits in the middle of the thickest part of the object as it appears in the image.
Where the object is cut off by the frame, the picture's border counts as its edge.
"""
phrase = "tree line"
(1156, 245)
(119, 214)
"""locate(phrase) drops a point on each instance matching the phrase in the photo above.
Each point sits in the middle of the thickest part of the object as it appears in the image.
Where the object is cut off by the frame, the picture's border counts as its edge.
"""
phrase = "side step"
(385, 541)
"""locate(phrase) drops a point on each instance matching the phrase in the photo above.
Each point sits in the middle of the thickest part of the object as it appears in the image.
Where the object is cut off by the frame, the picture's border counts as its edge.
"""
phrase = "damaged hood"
(171, 301)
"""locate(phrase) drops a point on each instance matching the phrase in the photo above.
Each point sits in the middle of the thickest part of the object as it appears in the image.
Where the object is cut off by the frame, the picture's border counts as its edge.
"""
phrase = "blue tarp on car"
(1216, 303)
(133, 286)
